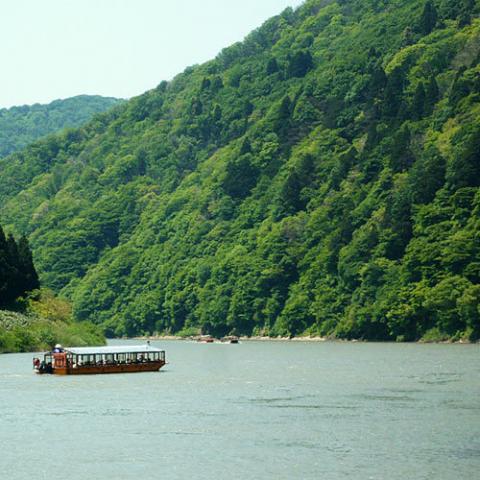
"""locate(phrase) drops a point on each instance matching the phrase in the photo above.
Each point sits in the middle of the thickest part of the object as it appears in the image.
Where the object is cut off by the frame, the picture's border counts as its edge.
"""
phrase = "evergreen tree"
(217, 113)
(27, 269)
(398, 217)
(4, 268)
(299, 64)
(427, 176)
(15, 280)
(282, 119)
(401, 157)
(393, 96)
(248, 108)
(464, 168)
(246, 147)
(272, 66)
(465, 14)
(460, 87)
(290, 198)
(17, 272)
(3, 240)
(428, 19)
(197, 107)
(378, 81)
(432, 94)
(418, 106)
(205, 84)
(217, 84)
(240, 177)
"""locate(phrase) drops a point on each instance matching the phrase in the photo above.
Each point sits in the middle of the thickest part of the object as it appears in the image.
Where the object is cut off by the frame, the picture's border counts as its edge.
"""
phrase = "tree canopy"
(17, 272)
(320, 177)
(20, 126)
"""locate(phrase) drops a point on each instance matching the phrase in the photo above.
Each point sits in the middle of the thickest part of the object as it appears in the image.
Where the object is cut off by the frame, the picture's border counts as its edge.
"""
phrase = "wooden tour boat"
(92, 360)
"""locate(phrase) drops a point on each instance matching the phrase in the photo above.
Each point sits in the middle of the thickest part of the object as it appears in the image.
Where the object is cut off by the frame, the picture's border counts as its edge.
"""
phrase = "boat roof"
(113, 349)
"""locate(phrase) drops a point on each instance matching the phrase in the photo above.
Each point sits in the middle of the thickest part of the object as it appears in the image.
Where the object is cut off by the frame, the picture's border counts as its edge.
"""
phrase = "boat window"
(91, 359)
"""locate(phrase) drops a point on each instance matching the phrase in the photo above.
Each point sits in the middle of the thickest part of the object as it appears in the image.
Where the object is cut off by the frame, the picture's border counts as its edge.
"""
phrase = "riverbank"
(32, 334)
(242, 338)
(305, 339)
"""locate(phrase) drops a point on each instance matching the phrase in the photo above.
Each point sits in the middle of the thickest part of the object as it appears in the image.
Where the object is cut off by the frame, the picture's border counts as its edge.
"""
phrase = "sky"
(52, 49)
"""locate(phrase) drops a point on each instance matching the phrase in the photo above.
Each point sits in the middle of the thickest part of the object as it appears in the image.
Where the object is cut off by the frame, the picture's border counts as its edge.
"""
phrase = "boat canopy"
(113, 350)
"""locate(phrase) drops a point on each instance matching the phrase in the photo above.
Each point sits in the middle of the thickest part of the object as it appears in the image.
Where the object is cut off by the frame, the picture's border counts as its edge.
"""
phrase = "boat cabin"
(114, 359)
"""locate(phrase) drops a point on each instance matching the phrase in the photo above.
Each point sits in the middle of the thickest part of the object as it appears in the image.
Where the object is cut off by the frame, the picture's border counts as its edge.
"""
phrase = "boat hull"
(116, 368)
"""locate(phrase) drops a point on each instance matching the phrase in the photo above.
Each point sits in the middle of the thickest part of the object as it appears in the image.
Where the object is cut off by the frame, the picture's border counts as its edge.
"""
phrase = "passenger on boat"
(58, 348)
(41, 366)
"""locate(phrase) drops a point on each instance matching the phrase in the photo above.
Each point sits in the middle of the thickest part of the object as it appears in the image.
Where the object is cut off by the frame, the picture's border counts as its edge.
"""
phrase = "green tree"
(299, 64)
(240, 176)
(428, 19)
(272, 66)
(432, 94)
(463, 170)
(419, 100)
(393, 96)
(26, 266)
(401, 157)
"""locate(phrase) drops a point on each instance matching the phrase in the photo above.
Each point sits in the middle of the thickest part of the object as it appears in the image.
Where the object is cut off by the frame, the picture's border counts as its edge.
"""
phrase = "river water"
(258, 410)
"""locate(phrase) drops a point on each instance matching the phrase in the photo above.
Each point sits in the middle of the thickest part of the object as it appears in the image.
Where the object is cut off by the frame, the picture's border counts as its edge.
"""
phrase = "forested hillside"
(20, 126)
(321, 177)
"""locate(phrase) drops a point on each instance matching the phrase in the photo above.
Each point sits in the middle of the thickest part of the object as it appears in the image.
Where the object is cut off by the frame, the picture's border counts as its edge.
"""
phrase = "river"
(257, 410)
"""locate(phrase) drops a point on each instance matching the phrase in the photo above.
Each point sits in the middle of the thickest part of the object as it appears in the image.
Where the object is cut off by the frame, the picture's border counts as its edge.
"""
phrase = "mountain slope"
(20, 126)
(320, 177)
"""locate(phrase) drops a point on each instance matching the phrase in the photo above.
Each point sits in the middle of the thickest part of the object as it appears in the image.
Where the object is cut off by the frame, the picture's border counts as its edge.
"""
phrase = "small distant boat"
(230, 339)
(95, 360)
(205, 339)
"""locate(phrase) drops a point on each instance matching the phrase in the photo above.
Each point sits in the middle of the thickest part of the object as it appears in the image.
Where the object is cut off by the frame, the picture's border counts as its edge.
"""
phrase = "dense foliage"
(39, 319)
(321, 177)
(20, 126)
(17, 272)
(46, 321)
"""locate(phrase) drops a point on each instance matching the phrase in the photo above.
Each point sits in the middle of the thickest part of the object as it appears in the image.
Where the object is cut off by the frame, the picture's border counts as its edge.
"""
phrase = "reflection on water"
(251, 411)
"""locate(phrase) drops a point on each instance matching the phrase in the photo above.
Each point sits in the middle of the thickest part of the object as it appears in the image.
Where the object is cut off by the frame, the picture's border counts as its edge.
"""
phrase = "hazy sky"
(60, 48)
